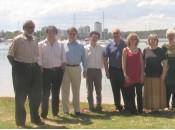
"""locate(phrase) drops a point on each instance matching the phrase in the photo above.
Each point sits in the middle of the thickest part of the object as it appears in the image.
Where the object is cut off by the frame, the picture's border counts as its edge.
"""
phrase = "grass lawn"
(106, 119)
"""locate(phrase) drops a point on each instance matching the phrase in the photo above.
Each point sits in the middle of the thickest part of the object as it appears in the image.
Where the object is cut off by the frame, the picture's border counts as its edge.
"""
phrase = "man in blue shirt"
(113, 66)
(75, 54)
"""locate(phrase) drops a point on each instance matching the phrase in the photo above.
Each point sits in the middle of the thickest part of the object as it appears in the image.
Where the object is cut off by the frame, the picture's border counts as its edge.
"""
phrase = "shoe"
(43, 117)
(77, 113)
(99, 109)
(119, 108)
(38, 122)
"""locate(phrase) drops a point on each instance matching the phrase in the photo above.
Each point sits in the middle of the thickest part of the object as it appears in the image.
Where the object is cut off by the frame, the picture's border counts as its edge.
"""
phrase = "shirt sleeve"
(83, 59)
(63, 55)
(12, 48)
(40, 54)
(106, 51)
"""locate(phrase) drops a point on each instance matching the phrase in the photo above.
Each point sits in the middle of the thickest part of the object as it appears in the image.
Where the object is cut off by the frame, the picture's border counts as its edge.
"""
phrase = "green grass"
(106, 119)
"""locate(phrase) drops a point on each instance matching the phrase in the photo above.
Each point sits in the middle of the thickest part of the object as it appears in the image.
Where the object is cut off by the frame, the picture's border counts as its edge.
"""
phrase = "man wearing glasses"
(75, 54)
(23, 56)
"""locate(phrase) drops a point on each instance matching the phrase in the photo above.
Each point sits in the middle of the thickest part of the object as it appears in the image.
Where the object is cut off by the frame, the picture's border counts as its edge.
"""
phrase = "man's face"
(29, 28)
(94, 38)
(51, 34)
(72, 35)
(116, 35)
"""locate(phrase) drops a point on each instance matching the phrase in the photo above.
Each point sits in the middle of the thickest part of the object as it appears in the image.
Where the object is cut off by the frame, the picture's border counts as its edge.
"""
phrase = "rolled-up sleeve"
(83, 59)
(63, 55)
(12, 48)
(106, 52)
(40, 54)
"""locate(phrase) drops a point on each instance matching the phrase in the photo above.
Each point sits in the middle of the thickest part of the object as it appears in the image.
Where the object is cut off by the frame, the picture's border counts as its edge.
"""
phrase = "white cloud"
(15, 10)
(155, 2)
(147, 22)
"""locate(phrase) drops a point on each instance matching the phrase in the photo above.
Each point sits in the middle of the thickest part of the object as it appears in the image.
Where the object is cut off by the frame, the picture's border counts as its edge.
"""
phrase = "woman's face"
(152, 41)
(133, 41)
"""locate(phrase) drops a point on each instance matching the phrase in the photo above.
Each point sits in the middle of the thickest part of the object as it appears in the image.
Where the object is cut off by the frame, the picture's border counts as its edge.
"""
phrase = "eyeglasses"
(30, 26)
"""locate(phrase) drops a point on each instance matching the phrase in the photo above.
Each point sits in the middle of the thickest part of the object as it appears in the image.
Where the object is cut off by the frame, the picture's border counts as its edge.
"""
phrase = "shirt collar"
(116, 44)
(72, 43)
(25, 37)
(47, 42)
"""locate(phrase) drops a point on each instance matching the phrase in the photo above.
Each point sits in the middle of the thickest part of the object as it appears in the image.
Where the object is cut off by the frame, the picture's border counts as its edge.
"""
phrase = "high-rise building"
(84, 31)
(98, 27)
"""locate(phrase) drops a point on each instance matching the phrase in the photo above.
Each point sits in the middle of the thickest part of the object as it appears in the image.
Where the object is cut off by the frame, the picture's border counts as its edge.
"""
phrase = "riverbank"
(106, 119)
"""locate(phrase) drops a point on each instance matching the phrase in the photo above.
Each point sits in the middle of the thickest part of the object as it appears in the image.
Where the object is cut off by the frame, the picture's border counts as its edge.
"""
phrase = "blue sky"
(128, 15)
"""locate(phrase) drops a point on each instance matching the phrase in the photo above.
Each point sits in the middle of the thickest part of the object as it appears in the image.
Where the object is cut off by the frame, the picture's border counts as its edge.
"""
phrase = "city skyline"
(128, 15)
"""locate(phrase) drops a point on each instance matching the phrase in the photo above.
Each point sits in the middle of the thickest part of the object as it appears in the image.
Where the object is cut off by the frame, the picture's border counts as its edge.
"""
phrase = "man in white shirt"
(94, 56)
(52, 59)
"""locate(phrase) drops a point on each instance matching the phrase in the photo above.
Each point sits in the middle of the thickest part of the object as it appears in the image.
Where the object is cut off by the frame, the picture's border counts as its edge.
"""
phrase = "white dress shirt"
(51, 56)
(94, 56)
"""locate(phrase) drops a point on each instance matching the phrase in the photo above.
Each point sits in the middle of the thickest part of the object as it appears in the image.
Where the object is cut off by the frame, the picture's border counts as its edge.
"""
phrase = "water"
(6, 86)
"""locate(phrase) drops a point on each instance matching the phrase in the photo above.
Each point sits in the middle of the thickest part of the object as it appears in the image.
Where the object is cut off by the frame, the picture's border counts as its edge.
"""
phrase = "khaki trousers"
(72, 77)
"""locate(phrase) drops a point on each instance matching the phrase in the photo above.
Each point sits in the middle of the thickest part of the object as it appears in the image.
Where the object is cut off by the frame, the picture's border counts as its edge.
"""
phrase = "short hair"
(130, 36)
(170, 31)
(53, 28)
(153, 35)
(94, 33)
(116, 30)
(72, 29)
(28, 22)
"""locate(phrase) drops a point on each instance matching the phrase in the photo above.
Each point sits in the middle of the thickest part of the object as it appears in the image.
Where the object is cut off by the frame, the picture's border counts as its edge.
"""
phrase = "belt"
(72, 65)
(52, 69)
(26, 64)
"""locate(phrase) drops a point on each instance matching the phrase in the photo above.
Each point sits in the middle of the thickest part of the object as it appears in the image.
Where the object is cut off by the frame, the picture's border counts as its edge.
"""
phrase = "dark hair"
(26, 23)
(72, 29)
(94, 33)
(53, 28)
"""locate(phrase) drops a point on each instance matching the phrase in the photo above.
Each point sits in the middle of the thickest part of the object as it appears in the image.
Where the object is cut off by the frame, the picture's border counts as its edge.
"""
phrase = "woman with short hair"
(155, 70)
(132, 64)
(169, 49)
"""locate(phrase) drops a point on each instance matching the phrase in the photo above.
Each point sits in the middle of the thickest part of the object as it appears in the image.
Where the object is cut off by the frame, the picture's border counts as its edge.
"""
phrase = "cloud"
(142, 3)
(14, 10)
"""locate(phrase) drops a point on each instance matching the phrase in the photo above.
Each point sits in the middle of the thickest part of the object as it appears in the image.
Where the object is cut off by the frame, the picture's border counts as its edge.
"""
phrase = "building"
(98, 27)
(83, 32)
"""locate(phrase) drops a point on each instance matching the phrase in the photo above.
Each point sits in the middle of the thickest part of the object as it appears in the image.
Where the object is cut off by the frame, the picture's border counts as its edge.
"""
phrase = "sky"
(128, 15)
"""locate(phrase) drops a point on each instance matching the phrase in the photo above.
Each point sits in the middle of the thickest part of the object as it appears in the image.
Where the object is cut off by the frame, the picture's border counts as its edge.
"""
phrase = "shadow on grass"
(46, 126)
(162, 114)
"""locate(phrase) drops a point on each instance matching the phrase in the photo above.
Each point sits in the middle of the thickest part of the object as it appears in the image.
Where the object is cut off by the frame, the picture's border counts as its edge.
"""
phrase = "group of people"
(48, 66)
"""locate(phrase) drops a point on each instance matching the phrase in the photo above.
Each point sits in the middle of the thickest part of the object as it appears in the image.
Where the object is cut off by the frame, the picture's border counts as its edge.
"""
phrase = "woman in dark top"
(155, 70)
(169, 49)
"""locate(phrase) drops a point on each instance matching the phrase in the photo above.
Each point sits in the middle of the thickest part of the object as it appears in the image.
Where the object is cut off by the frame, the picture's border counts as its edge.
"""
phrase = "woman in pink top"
(132, 64)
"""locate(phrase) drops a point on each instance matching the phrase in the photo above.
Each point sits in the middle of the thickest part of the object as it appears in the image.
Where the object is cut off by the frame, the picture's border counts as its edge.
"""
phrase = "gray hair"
(170, 31)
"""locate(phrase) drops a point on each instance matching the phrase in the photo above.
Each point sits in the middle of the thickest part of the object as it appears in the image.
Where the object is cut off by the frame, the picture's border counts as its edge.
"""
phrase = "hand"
(63, 66)
(163, 77)
(126, 78)
(107, 74)
(142, 79)
(84, 74)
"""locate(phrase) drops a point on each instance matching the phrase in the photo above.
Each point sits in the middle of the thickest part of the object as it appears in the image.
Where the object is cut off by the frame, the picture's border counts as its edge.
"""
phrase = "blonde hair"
(129, 38)
(153, 35)
(170, 31)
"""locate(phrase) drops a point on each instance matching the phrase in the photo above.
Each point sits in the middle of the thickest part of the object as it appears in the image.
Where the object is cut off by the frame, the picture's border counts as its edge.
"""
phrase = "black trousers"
(170, 90)
(52, 79)
(27, 82)
(117, 82)
(130, 98)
